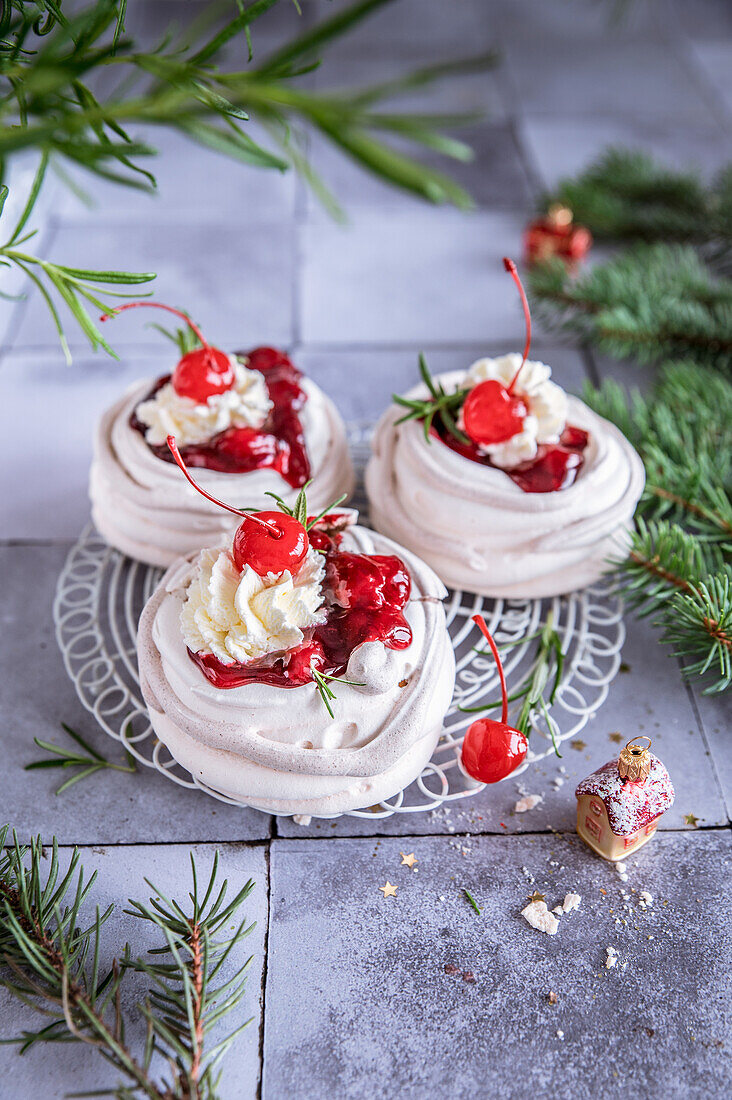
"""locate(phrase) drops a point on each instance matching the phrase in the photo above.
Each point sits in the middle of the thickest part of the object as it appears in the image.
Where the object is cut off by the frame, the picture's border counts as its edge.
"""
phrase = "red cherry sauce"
(364, 596)
(555, 465)
(279, 444)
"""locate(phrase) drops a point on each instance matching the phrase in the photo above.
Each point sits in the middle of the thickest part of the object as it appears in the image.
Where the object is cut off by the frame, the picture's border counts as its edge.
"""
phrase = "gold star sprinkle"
(389, 891)
(408, 861)
(616, 737)
(689, 819)
(536, 896)
(578, 745)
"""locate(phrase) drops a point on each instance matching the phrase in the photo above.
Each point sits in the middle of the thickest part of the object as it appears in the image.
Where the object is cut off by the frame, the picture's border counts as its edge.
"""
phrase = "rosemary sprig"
(299, 509)
(50, 959)
(322, 682)
(472, 901)
(49, 62)
(540, 685)
(74, 287)
(90, 763)
(438, 404)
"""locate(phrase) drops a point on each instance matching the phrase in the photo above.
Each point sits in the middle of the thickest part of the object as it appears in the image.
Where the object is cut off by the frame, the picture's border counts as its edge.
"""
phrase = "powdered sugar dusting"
(630, 805)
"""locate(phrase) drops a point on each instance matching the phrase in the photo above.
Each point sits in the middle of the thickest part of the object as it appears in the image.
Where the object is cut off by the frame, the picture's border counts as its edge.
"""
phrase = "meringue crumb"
(538, 916)
(571, 901)
(621, 867)
(558, 910)
(302, 819)
(646, 898)
(560, 1033)
(611, 958)
(528, 802)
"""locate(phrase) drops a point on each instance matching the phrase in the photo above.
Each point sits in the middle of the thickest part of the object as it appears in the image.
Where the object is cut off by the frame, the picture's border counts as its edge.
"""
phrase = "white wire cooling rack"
(100, 594)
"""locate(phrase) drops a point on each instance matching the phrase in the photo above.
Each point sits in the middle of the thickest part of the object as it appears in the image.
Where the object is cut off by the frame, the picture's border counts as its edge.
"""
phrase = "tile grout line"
(703, 733)
(366, 838)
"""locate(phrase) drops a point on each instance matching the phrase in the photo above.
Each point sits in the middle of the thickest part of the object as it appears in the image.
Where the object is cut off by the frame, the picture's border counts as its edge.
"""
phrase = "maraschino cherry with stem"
(269, 542)
(201, 373)
(492, 750)
(492, 412)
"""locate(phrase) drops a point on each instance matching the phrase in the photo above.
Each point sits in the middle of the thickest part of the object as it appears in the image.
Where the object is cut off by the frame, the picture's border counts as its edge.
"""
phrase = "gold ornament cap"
(634, 762)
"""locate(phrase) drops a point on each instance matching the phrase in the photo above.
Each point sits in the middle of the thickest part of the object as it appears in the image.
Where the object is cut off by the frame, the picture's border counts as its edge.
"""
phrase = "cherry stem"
(159, 305)
(173, 448)
(480, 623)
(510, 267)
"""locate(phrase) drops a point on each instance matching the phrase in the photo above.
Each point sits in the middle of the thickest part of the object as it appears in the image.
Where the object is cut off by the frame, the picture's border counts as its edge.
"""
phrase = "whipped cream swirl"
(245, 405)
(546, 404)
(242, 616)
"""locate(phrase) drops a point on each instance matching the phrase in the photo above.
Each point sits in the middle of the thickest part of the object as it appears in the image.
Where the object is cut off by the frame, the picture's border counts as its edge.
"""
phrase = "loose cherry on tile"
(492, 750)
(269, 542)
(201, 373)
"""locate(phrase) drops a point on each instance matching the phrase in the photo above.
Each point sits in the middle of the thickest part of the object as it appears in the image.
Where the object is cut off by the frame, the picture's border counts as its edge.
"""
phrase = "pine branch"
(651, 302)
(683, 433)
(46, 104)
(626, 195)
(51, 961)
(678, 567)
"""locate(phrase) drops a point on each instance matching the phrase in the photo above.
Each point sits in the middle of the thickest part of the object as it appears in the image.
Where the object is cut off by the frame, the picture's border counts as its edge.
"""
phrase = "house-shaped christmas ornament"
(619, 806)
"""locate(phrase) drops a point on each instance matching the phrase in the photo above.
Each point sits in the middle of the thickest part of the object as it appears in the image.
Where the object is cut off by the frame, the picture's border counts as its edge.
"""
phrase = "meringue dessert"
(505, 485)
(248, 421)
(304, 669)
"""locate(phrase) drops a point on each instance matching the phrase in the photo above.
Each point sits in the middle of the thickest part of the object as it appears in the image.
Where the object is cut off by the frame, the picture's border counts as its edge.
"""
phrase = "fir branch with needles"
(51, 950)
(625, 195)
(678, 567)
(650, 302)
(88, 760)
(438, 405)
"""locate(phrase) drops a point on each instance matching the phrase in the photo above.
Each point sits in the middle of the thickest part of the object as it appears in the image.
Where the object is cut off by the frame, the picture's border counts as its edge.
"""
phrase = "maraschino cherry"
(492, 750)
(269, 542)
(201, 373)
(492, 412)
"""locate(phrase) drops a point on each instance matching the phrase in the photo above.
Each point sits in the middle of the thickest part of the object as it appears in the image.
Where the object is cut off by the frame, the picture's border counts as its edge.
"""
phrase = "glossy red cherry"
(270, 542)
(491, 414)
(203, 372)
(492, 750)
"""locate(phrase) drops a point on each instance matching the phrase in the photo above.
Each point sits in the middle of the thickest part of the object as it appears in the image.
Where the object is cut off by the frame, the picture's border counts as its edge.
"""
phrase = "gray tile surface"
(451, 262)
(36, 696)
(235, 279)
(71, 1067)
(359, 1002)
